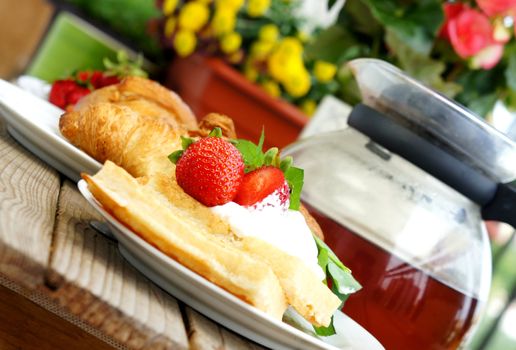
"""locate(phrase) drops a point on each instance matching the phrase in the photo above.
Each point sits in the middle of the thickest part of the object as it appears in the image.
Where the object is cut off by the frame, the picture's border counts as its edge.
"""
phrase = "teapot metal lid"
(437, 134)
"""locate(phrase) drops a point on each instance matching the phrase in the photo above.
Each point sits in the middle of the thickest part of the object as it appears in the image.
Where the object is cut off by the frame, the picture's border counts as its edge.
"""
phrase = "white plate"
(224, 307)
(34, 122)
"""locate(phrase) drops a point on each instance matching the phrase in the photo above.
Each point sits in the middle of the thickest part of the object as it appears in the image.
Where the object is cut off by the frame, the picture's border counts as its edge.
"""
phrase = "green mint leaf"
(342, 280)
(252, 154)
(323, 260)
(174, 156)
(295, 178)
(216, 132)
(185, 142)
(325, 331)
(331, 255)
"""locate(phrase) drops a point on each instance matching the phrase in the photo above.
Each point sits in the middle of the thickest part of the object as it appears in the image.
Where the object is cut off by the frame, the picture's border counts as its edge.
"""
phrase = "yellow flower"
(233, 5)
(291, 46)
(269, 33)
(298, 84)
(170, 26)
(283, 66)
(256, 8)
(230, 42)
(303, 36)
(271, 87)
(193, 16)
(260, 49)
(169, 6)
(223, 21)
(250, 72)
(324, 71)
(185, 42)
(308, 107)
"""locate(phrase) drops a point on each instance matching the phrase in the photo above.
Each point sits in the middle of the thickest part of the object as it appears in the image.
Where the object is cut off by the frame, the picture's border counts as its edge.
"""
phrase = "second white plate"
(34, 123)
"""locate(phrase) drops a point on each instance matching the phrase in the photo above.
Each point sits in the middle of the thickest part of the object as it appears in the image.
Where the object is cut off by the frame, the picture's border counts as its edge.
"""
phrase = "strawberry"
(258, 184)
(107, 80)
(60, 91)
(75, 95)
(210, 170)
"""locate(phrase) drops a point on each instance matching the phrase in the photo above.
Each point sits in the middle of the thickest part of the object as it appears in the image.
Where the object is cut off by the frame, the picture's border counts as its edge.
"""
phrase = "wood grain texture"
(204, 334)
(92, 280)
(25, 325)
(28, 200)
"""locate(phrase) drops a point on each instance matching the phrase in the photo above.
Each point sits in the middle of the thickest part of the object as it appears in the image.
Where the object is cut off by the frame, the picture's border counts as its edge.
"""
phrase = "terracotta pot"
(210, 85)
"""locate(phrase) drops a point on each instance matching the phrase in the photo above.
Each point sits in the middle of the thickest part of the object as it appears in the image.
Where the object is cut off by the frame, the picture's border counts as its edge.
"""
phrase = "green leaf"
(321, 246)
(421, 67)
(325, 331)
(510, 73)
(343, 281)
(415, 22)
(252, 154)
(174, 156)
(335, 44)
(216, 132)
(185, 142)
(323, 259)
(262, 139)
(270, 156)
(286, 163)
(295, 179)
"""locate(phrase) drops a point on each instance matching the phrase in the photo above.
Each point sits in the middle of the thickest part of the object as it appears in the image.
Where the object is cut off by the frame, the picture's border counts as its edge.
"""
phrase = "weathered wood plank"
(28, 200)
(25, 325)
(204, 334)
(92, 281)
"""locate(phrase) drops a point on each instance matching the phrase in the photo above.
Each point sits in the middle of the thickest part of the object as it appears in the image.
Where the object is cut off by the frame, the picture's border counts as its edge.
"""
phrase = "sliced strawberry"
(210, 170)
(258, 184)
(277, 199)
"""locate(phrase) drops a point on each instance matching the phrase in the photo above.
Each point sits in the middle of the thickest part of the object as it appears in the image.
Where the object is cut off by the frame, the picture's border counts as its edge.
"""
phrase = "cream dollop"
(285, 229)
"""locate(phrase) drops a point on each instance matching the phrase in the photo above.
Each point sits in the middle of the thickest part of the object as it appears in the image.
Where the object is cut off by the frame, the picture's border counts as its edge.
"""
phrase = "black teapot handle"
(498, 201)
(503, 206)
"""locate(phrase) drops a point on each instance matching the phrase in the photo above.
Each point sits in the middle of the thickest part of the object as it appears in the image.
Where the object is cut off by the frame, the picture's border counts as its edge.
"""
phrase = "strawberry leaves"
(254, 158)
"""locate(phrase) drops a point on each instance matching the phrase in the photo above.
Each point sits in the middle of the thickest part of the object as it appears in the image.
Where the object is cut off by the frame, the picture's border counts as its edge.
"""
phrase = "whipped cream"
(285, 229)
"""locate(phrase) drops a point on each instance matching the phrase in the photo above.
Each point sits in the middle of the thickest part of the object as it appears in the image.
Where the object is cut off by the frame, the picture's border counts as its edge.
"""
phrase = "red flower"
(489, 57)
(470, 31)
(451, 10)
(497, 7)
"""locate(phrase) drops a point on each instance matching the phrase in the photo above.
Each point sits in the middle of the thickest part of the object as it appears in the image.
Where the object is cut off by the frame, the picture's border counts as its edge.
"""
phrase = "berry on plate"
(211, 170)
(259, 184)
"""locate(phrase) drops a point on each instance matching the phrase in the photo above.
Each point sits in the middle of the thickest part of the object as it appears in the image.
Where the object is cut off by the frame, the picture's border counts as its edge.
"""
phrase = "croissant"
(138, 143)
(145, 97)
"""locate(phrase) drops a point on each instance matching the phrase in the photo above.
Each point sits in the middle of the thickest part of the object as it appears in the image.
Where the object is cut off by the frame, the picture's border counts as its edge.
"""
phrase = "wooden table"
(64, 286)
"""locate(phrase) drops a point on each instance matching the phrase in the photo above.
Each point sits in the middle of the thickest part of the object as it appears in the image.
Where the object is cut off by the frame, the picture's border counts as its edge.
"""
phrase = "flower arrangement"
(465, 49)
(265, 39)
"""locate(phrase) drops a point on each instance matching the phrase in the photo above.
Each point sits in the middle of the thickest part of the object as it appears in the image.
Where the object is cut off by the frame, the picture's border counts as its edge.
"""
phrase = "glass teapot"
(401, 194)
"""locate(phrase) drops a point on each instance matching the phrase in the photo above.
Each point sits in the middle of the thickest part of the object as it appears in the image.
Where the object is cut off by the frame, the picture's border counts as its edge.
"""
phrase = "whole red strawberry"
(60, 91)
(210, 170)
(260, 183)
